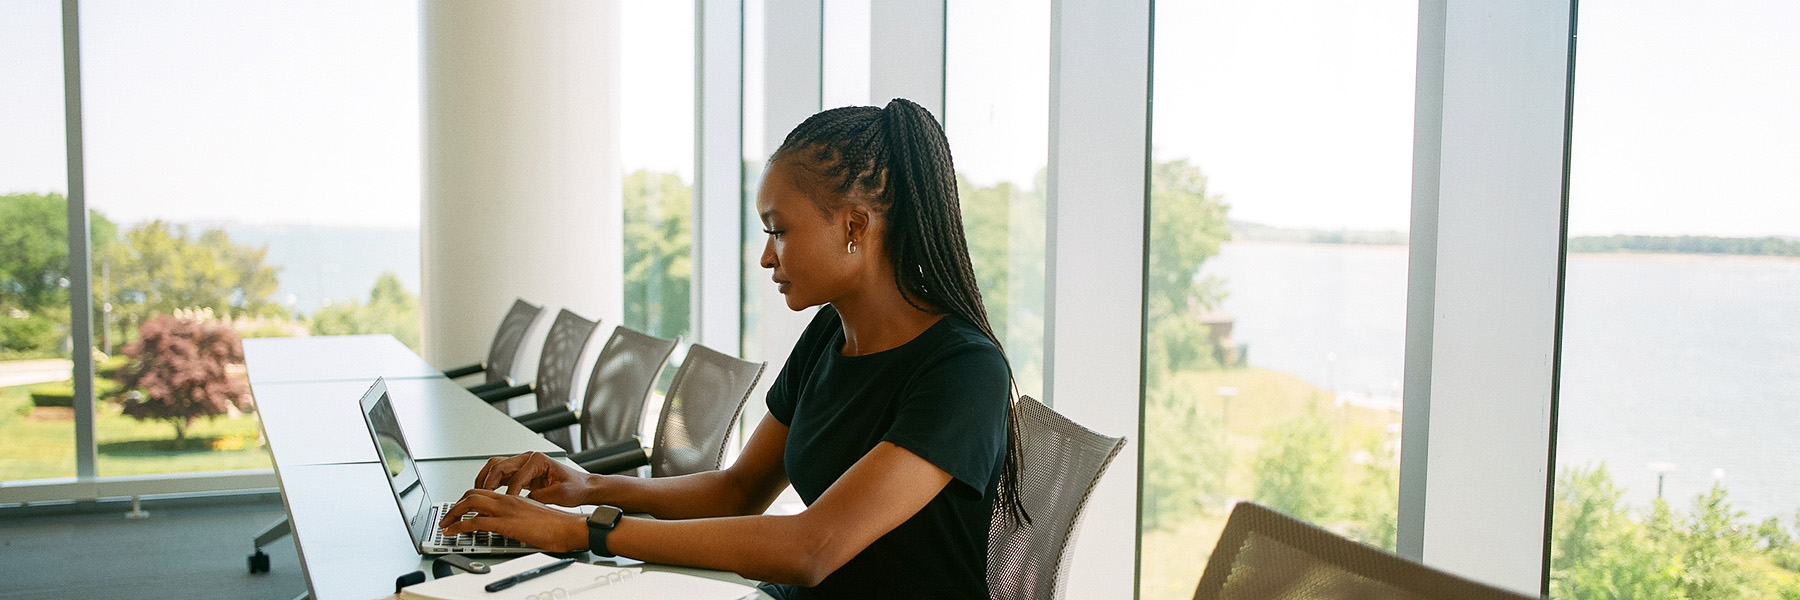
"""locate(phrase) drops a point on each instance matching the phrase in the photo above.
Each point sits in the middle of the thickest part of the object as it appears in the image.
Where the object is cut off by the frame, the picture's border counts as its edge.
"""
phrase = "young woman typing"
(892, 418)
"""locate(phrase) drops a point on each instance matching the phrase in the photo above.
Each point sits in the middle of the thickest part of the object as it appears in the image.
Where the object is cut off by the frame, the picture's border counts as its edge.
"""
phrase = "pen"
(524, 576)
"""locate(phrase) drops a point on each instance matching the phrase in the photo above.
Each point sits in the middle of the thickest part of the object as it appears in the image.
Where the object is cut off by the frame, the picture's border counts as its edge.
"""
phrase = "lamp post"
(1662, 469)
(1226, 392)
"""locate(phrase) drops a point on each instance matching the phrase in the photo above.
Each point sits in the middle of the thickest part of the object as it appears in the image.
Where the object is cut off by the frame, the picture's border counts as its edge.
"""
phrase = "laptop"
(416, 508)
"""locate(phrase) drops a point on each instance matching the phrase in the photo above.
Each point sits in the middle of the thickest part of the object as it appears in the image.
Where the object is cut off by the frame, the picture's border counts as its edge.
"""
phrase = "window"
(996, 115)
(37, 430)
(261, 165)
(656, 62)
(1280, 193)
(1680, 373)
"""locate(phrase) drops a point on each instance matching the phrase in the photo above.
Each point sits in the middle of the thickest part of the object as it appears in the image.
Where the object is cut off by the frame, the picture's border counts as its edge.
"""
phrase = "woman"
(892, 418)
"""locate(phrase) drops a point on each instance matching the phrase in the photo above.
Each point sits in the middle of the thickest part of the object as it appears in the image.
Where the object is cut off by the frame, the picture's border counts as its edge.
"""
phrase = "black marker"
(528, 575)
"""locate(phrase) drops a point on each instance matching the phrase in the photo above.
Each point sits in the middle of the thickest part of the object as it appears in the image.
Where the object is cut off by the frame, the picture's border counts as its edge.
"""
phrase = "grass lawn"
(1175, 554)
(42, 445)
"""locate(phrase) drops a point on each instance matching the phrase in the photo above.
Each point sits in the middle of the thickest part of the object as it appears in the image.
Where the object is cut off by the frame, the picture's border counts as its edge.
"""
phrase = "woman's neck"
(880, 322)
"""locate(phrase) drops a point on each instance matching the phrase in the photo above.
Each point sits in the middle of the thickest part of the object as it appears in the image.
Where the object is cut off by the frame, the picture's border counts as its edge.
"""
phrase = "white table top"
(335, 357)
(322, 422)
(352, 540)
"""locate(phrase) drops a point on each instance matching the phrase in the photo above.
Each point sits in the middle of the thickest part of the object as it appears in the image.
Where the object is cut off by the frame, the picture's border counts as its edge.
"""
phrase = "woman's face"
(805, 248)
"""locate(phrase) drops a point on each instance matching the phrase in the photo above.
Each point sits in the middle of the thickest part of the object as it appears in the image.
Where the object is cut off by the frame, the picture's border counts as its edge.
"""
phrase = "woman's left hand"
(519, 518)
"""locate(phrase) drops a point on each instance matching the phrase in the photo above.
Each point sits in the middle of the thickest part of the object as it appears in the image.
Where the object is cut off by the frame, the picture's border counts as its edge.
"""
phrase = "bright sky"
(307, 112)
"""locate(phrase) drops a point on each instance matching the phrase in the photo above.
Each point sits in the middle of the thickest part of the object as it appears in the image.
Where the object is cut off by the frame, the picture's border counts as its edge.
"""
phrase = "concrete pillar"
(521, 174)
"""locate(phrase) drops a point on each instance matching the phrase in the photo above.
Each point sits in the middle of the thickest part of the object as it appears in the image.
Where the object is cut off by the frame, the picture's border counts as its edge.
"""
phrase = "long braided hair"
(898, 160)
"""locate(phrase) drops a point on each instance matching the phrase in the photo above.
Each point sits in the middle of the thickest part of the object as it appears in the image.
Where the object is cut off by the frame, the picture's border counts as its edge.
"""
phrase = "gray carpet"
(179, 552)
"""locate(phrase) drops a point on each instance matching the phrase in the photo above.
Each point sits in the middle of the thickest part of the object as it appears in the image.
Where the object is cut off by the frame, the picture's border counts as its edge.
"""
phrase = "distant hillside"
(1245, 231)
(1687, 244)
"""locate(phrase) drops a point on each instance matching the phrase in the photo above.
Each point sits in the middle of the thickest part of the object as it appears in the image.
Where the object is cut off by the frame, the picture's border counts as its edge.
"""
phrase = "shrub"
(30, 335)
(63, 394)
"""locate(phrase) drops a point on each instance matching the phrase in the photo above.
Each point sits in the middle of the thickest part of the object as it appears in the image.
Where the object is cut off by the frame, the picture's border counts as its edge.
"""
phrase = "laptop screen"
(403, 476)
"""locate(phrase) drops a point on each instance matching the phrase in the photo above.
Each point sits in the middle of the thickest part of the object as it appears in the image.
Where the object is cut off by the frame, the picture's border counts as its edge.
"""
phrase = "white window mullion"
(1496, 282)
(719, 173)
(1094, 262)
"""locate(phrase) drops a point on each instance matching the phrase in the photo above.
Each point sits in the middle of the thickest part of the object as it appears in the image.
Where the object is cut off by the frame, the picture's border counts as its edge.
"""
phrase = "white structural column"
(1499, 207)
(522, 186)
(1094, 261)
(906, 53)
(719, 173)
(792, 88)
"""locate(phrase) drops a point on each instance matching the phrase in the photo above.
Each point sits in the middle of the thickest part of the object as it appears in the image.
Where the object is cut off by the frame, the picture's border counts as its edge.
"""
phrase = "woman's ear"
(856, 223)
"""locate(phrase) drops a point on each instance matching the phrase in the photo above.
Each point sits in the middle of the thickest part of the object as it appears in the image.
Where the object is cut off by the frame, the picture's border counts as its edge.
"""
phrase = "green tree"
(159, 268)
(391, 310)
(1375, 496)
(658, 246)
(1713, 563)
(1299, 468)
(1185, 456)
(34, 250)
(1187, 225)
(1598, 552)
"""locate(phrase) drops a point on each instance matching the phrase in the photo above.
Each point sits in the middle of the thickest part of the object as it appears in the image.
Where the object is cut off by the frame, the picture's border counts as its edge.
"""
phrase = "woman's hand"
(518, 518)
(550, 482)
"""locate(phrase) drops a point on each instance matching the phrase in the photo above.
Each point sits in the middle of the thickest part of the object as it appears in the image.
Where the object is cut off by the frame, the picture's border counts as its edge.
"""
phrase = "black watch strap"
(601, 523)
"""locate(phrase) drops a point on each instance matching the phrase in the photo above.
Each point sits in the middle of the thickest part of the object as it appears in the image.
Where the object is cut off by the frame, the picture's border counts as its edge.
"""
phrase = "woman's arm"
(747, 487)
(883, 489)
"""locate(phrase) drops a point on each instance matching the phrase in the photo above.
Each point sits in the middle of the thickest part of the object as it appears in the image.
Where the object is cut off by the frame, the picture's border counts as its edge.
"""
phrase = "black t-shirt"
(942, 396)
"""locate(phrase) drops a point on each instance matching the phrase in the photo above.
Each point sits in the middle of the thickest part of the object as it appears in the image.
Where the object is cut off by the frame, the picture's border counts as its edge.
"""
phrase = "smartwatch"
(600, 523)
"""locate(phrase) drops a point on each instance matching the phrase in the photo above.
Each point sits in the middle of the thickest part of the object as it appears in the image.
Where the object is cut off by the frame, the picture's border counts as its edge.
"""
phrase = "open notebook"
(580, 581)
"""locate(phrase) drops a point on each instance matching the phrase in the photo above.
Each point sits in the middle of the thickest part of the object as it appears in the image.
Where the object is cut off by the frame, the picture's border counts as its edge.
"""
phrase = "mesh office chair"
(1266, 555)
(555, 382)
(617, 389)
(1061, 463)
(703, 403)
(504, 350)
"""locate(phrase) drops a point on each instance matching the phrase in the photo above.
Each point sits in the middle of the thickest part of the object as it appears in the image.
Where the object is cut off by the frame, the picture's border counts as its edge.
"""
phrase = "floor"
(182, 550)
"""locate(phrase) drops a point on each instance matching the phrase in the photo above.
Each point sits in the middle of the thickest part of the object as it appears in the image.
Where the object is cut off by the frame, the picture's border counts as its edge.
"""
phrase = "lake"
(1688, 360)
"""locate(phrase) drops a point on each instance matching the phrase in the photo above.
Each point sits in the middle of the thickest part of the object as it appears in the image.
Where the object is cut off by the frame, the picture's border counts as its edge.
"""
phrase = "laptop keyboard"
(473, 539)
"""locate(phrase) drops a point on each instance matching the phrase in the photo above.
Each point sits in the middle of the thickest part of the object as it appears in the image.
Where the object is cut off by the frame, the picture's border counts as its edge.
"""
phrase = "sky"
(1300, 112)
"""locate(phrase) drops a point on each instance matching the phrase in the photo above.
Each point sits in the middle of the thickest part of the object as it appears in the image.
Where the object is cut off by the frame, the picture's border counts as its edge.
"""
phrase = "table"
(321, 422)
(352, 542)
(332, 358)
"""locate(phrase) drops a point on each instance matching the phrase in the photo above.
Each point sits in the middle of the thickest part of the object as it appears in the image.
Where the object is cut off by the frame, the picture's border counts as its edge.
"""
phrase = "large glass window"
(37, 429)
(261, 164)
(996, 115)
(1280, 194)
(1676, 458)
(656, 100)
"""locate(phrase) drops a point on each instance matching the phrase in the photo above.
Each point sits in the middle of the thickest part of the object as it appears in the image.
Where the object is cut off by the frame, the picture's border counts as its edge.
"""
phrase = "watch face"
(605, 516)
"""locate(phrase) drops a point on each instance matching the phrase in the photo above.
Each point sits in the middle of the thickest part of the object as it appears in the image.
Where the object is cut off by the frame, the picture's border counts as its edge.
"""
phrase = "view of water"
(1681, 359)
(339, 263)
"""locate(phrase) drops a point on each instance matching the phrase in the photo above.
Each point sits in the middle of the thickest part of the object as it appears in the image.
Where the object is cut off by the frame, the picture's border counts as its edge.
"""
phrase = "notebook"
(580, 581)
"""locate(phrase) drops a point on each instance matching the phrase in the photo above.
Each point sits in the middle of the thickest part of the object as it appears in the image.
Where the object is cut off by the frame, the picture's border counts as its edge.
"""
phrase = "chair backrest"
(504, 351)
(621, 381)
(555, 384)
(1266, 555)
(1061, 462)
(703, 403)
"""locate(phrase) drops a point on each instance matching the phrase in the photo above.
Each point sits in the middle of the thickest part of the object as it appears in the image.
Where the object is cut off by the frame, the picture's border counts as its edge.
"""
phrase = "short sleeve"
(954, 416)
(785, 391)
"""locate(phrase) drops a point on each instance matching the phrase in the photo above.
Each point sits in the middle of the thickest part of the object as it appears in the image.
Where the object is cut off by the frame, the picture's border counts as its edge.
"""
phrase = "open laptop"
(416, 508)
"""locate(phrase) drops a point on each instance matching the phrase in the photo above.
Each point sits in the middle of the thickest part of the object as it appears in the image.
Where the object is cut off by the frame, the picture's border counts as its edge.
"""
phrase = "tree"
(1187, 225)
(1299, 468)
(1598, 552)
(1712, 565)
(391, 309)
(160, 268)
(658, 248)
(34, 241)
(177, 372)
(1185, 456)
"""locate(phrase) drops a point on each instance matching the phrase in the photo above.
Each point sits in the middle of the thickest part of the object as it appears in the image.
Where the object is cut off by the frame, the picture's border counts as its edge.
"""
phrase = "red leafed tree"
(177, 372)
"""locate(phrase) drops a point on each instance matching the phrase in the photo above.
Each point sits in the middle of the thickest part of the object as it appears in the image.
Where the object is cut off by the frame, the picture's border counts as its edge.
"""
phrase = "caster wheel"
(259, 562)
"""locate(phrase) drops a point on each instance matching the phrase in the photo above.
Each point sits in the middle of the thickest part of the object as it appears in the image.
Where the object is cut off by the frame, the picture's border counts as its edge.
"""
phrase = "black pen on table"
(528, 575)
